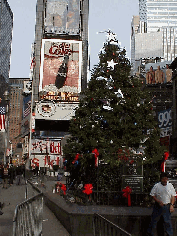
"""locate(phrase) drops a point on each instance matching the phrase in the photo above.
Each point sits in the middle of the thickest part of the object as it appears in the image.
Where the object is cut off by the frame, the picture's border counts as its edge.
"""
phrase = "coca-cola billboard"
(60, 66)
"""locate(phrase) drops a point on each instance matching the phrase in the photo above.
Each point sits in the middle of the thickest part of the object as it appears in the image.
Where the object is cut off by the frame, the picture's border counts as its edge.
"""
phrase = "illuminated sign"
(165, 123)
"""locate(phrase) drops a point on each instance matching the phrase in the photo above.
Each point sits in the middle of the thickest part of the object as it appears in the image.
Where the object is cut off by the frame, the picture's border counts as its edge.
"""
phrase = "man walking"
(164, 195)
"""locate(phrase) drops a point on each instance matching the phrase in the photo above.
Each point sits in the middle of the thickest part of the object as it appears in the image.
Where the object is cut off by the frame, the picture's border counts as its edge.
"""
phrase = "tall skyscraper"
(6, 22)
(156, 14)
(6, 25)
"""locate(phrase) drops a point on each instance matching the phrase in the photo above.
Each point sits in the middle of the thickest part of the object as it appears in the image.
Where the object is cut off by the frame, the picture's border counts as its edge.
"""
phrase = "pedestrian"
(11, 175)
(163, 194)
(1, 173)
(19, 175)
(5, 176)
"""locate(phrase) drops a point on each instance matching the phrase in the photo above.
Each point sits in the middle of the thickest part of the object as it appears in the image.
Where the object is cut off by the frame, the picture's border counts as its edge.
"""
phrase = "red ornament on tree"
(96, 154)
(166, 155)
(76, 158)
(88, 189)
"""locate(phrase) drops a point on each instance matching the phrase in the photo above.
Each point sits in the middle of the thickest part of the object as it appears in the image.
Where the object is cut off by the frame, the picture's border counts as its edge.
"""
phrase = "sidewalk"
(10, 197)
(51, 225)
(15, 195)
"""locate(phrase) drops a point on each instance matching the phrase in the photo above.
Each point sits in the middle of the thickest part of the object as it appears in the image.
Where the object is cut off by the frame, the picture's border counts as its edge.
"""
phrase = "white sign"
(39, 146)
(46, 161)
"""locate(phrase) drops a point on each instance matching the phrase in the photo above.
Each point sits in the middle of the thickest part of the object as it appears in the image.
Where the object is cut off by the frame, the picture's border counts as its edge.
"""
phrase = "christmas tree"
(114, 117)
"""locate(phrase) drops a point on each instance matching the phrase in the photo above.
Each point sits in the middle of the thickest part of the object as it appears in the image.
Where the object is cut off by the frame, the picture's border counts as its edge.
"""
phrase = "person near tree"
(19, 173)
(11, 175)
(163, 194)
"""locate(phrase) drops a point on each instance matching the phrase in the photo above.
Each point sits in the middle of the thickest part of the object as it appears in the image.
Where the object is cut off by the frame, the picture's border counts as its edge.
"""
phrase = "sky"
(103, 15)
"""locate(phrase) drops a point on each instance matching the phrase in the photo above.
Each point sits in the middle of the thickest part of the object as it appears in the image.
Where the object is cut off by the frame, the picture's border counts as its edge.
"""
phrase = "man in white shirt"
(164, 195)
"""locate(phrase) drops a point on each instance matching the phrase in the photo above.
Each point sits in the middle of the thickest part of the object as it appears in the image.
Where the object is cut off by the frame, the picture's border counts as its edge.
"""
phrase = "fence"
(28, 217)
(111, 198)
(104, 227)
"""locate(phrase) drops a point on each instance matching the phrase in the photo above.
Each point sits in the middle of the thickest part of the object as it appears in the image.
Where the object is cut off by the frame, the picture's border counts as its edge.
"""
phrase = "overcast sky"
(103, 14)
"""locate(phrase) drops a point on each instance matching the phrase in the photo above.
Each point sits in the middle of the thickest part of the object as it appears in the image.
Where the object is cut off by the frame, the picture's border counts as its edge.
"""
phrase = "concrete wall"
(78, 219)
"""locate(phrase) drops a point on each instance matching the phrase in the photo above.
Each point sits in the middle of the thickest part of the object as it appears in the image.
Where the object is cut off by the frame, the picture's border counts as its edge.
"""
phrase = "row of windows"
(164, 8)
(162, 4)
(165, 18)
(162, 21)
(162, 13)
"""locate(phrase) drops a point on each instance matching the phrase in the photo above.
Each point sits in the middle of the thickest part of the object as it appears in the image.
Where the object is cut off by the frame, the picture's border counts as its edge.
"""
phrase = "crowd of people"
(10, 173)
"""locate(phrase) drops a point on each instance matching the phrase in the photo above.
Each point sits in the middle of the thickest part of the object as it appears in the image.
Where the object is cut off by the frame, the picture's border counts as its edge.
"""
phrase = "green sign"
(134, 182)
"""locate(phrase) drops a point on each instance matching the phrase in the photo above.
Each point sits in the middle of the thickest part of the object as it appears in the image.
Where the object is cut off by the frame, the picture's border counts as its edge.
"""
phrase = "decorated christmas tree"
(114, 119)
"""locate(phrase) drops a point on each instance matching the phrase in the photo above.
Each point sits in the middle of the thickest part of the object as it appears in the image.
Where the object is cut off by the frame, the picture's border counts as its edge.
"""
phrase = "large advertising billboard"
(149, 45)
(26, 106)
(62, 16)
(61, 66)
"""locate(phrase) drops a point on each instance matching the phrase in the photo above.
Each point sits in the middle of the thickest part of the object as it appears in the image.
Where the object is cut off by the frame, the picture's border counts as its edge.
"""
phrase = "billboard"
(60, 69)
(158, 72)
(26, 106)
(39, 146)
(165, 123)
(62, 16)
(46, 153)
(148, 45)
(27, 86)
(55, 111)
(46, 161)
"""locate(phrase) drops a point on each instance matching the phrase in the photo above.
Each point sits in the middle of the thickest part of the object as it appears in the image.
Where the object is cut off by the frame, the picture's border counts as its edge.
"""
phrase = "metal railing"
(27, 219)
(104, 227)
(111, 198)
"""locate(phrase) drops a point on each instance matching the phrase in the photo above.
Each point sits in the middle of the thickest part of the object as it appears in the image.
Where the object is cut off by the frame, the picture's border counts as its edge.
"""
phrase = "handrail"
(104, 227)
(28, 217)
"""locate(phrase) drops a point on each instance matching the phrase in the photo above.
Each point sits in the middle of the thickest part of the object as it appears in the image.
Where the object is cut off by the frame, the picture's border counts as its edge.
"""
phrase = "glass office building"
(156, 14)
(156, 36)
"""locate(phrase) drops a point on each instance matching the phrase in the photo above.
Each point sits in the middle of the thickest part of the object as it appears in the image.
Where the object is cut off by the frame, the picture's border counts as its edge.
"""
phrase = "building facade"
(60, 71)
(6, 25)
(156, 14)
(153, 47)
(6, 21)
(156, 36)
(19, 112)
